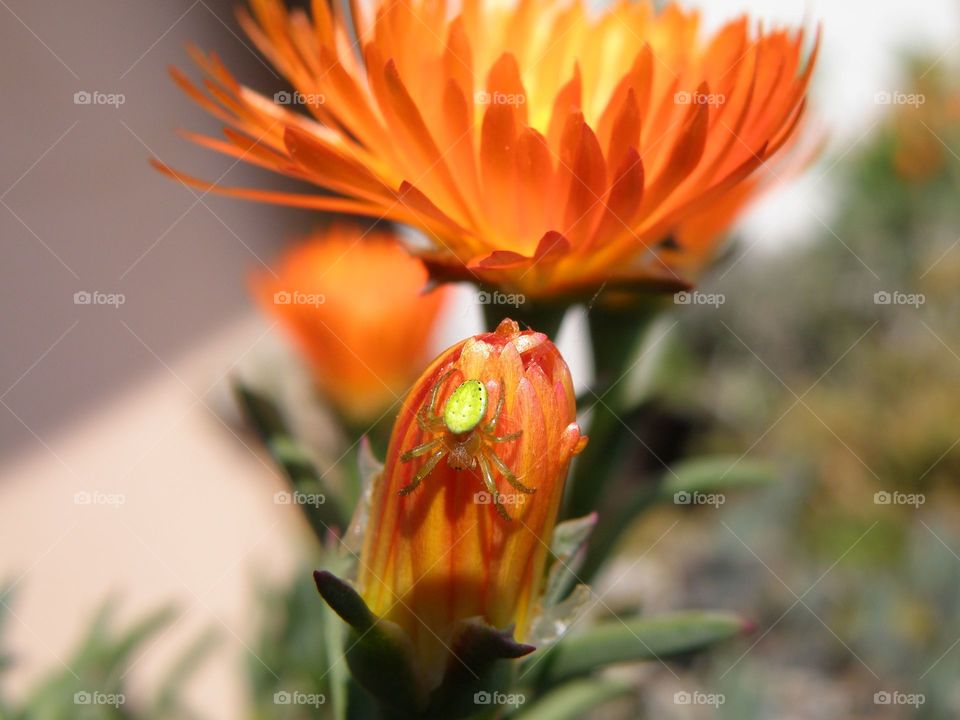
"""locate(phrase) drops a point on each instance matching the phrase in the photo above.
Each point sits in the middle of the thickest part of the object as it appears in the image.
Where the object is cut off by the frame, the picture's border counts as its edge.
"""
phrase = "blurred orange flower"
(437, 552)
(544, 148)
(354, 304)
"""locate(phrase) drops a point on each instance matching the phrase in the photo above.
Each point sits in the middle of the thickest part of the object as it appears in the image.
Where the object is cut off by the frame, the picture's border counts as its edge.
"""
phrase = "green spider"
(464, 439)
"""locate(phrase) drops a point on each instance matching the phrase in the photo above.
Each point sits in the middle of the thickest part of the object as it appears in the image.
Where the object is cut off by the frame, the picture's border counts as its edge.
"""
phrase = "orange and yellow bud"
(354, 304)
(440, 546)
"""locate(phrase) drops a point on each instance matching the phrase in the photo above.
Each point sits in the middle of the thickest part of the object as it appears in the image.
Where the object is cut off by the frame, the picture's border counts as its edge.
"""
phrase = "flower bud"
(461, 518)
(353, 303)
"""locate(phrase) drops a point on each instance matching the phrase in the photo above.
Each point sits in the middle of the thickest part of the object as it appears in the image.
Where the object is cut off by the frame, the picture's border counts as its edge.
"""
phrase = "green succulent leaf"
(575, 699)
(708, 476)
(100, 665)
(377, 652)
(714, 474)
(568, 546)
(632, 640)
(380, 657)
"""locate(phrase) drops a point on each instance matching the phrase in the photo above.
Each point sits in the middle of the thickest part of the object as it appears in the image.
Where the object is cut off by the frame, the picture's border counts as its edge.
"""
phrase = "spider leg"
(423, 422)
(489, 428)
(435, 392)
(427, 415)
(421, 449)
(428, 466)
(496, 411)
(507, 473)
(492, 486)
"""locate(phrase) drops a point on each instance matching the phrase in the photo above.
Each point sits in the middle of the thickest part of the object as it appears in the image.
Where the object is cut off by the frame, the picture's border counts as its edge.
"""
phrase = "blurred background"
(833, 352)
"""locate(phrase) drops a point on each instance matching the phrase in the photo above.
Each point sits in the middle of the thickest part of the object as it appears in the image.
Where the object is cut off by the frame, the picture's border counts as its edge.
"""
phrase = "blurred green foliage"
(839, 358)
(92, 683)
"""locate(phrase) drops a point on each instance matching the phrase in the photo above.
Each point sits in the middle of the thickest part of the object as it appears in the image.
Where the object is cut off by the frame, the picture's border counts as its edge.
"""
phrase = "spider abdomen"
(465, 407)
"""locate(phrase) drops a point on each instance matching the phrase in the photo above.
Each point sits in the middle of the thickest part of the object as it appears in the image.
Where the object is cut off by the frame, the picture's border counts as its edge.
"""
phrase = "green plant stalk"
(615, 335)
(298, 467)
(539, 316)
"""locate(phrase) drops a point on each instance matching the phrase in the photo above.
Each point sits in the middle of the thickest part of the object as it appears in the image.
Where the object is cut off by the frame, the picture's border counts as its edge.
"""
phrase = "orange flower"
(543, 148)
(354, 304)
(445, 548)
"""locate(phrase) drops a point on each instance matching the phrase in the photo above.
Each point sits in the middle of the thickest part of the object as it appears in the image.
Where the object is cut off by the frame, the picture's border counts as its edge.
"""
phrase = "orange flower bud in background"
(354, 304)
(461, 519)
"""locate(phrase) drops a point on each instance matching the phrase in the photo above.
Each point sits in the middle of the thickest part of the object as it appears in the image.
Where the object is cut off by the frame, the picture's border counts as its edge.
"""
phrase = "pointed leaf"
(713, 474)
(554, 621)
(377, 651)
(569, 541)
(476, 666)
(634, 640)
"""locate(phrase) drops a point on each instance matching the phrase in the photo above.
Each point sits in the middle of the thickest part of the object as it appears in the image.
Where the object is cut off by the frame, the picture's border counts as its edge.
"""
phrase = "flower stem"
(540, 316)
(615, 335)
